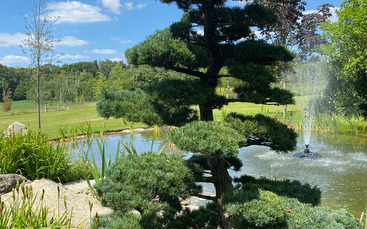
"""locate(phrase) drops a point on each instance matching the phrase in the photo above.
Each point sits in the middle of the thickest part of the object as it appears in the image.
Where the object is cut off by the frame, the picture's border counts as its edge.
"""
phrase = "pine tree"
(210, 41)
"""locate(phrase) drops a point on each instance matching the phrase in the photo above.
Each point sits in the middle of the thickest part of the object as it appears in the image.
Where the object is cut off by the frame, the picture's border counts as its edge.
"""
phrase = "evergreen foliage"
(287, 188)
(148, 183)
(225, 48)
(257, 208)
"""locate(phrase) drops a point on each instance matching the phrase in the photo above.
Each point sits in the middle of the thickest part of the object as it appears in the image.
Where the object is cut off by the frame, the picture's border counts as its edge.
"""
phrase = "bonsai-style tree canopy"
(211, 41)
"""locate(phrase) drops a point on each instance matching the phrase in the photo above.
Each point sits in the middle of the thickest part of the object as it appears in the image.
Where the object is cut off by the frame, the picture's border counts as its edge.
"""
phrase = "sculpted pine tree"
(210, 41)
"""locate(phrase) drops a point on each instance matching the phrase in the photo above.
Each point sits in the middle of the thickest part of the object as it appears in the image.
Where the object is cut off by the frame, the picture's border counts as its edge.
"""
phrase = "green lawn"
(79, 114)
(53, 120)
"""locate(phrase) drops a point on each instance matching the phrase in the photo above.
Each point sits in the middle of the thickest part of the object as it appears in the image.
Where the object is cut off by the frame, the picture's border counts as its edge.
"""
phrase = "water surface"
(341, 172)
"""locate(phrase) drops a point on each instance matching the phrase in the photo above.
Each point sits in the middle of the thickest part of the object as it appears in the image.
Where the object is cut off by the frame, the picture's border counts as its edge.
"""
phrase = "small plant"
(26, 210)
(89, 129)
(98, 170)
(7, 101)
(63, 131)
(74, 133)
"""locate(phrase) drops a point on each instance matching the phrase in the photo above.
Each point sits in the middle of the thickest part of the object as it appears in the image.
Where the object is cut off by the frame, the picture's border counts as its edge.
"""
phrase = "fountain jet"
(307, 153)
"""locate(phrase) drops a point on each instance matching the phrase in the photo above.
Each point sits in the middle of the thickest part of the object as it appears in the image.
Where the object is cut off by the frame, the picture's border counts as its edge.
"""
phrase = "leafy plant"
(34, 156)
(63, 131)
(98, 169)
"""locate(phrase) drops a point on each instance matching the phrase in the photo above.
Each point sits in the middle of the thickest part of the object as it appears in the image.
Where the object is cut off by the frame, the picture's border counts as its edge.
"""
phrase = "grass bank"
(83, 117)
(78, 116)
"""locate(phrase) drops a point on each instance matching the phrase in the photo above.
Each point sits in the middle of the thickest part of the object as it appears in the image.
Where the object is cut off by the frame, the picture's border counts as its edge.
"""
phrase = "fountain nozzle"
(307, 150)
(307, 153)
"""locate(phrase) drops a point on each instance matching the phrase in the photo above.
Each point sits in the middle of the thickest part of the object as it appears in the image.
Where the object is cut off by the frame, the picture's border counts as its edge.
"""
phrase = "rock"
(16, 128)
(79, 186)
(9, 181)
(135, 212)
(77, 204)
(185, 201)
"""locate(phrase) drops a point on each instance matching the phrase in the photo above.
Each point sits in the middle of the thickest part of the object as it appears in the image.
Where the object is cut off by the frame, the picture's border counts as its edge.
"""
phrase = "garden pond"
(341, 172)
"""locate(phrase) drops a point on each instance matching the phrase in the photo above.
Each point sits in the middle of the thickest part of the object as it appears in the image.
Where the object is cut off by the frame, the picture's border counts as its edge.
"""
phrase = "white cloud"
(333, 18)
(7, 39)
(116, 59)
(103, 51)
(76, 12)
(141, 6)
(122, 40)
(73, 57)
(71, 41)
(112, 5)
(12, 59)
(130, 6)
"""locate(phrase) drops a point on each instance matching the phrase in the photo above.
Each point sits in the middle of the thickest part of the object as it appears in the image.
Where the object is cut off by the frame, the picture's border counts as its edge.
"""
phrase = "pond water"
(341, 172)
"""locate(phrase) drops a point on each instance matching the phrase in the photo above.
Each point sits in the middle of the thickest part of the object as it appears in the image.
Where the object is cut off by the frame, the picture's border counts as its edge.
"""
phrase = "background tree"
(39, 44)
(346, 49)
(294, 28)
(226, 42)
(7, 101)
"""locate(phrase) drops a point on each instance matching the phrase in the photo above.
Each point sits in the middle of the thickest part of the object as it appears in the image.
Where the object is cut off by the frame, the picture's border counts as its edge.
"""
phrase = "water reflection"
(341, 172)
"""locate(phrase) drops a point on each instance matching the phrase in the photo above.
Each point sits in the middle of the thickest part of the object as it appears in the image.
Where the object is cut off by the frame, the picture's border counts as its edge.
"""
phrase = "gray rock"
(9, 181)
(16, 128)
(76, 204)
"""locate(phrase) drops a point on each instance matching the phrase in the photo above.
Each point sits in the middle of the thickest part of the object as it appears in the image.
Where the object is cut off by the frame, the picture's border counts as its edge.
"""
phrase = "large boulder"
(16, 128)
(9, 181)
(77, 204)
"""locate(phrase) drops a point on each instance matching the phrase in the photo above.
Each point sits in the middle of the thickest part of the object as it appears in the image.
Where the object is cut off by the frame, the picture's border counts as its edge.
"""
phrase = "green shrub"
(207, 217)
(34, 156)
(264, 209)
(292, 189)
(255, 209)
(116, 221)
(303, 216)
(149, 183)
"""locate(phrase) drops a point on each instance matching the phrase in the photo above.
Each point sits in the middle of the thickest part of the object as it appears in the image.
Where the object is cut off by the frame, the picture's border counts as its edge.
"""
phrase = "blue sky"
(93, 29)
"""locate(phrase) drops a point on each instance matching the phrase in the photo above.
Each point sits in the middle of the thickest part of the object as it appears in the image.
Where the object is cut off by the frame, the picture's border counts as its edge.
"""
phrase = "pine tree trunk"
(223, 185)
(284, 106)
(206, 112)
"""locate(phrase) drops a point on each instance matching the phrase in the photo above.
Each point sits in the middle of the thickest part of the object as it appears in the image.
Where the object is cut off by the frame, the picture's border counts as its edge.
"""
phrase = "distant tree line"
(78, 82)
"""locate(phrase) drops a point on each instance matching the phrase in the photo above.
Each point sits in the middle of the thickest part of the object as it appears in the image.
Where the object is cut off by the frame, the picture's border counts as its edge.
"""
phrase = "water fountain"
(312, 83)
(307, 153)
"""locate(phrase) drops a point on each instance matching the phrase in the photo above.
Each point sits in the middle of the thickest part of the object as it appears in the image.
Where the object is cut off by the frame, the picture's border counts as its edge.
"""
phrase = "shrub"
(292, 189)
(34, 156)
(150, 183)
(303, 216)
(264, 209)
(116, 221)
(255, 209)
